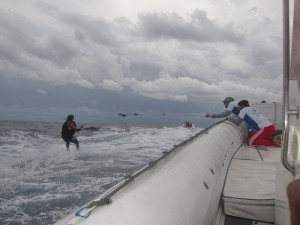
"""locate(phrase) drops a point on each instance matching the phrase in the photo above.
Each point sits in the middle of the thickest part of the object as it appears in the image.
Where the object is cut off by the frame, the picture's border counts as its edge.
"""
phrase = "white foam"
(39, 169)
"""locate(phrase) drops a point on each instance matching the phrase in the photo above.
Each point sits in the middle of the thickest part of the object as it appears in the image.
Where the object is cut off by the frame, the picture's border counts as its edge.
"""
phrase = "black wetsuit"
(67, 135)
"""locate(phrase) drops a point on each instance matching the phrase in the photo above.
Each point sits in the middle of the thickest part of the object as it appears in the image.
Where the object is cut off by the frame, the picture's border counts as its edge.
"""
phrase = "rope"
(158, 114)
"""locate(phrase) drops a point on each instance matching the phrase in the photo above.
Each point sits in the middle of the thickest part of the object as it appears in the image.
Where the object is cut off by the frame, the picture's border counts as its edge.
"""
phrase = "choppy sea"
(41, 182)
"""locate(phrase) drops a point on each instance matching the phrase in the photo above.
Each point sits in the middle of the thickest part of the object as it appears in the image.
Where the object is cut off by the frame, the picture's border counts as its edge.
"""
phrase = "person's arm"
(294, 201)
(219, 115)
(235, 119)
(73, 127)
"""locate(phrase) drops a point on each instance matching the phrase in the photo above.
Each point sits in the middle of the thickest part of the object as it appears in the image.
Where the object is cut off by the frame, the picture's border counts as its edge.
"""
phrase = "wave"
(41, 181)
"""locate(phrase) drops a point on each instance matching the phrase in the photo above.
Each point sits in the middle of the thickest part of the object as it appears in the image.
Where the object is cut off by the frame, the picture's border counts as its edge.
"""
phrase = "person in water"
(188, 124)
(263, 131)
(231, 111)
(68, 130)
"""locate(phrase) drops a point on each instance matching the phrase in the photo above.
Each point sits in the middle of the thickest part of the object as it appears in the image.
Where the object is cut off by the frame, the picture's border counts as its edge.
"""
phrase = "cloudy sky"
(98, 58)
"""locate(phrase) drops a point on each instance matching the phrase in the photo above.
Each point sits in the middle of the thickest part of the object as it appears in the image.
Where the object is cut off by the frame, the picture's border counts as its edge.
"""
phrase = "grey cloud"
(253, 10)
(88, 105)
(59, 50)
(111, 85)
(145, 70)
(199, 28)
(47, 8)
(97, 30)
(41, 91)
(164, 60)
(26, 46)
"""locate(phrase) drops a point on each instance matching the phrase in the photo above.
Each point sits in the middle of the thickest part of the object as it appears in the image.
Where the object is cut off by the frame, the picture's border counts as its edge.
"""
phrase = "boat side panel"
(182, 188)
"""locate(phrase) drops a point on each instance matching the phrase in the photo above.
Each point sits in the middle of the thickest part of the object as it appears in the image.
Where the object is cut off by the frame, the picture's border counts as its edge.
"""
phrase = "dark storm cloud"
(145, 70)
(97, 29)
(90, 105)
(162, 59)
(200, 28)
(26, 47)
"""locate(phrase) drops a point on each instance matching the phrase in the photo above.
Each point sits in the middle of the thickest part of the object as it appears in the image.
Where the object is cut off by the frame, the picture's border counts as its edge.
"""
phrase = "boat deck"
(249, 190)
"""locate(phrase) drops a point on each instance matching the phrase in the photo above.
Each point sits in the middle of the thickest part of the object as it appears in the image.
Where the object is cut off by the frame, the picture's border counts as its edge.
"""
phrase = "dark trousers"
(73, 140)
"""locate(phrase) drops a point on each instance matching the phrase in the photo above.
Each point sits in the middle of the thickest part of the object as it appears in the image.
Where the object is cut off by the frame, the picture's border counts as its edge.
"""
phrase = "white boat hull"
(183, 187)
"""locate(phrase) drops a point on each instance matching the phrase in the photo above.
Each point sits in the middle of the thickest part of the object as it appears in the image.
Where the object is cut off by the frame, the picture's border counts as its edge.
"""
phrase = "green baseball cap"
(228, 99)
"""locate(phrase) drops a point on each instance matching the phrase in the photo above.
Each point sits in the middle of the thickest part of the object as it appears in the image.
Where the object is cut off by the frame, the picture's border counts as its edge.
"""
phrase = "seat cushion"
(249, 190)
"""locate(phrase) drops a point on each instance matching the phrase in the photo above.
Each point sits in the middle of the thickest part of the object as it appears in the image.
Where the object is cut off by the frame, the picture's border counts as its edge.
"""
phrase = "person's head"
(227, 100)
(70, 117)
(242, 104)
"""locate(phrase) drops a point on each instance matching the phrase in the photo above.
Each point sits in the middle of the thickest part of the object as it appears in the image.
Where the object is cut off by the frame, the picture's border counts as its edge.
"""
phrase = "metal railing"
(286, 86)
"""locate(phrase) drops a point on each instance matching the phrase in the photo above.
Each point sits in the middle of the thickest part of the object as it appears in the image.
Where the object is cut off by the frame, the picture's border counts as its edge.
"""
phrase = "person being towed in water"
(68, 130)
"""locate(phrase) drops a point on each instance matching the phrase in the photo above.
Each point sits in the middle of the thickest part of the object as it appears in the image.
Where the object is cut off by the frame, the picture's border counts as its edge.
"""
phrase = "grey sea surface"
(41, 182)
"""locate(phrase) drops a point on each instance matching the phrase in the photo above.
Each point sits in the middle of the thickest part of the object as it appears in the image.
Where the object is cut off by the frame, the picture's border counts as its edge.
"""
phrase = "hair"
(244, 103)
(70, 117)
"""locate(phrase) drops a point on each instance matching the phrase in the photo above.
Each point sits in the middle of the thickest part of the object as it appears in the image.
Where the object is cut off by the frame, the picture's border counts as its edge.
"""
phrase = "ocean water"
(41, 182)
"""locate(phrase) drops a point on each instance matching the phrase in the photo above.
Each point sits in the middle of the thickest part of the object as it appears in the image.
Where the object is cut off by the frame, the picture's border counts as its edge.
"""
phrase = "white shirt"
(254, 119)
(233, 107)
